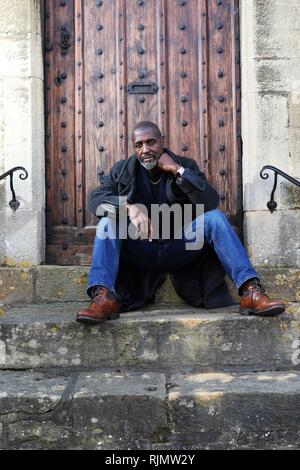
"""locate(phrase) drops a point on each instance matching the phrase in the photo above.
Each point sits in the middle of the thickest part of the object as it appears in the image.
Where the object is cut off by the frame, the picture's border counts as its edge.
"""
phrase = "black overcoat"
(202, 282)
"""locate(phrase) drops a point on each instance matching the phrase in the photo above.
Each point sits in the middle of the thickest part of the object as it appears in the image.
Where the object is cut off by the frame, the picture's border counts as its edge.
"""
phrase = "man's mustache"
(147, 156)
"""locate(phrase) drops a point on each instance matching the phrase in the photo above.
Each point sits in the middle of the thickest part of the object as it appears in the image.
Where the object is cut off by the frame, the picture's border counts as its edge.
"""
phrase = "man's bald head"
(147, 125)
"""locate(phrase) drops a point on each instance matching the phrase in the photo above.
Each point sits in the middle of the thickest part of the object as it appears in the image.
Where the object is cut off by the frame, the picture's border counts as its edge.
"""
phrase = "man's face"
(148, 147)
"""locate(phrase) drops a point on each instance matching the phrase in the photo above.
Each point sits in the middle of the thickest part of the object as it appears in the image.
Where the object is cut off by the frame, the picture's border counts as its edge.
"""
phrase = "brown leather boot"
(255, 301)
(103, 307)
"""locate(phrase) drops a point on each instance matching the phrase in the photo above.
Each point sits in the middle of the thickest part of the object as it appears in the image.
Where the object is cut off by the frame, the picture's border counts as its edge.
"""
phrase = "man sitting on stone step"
(131, 257)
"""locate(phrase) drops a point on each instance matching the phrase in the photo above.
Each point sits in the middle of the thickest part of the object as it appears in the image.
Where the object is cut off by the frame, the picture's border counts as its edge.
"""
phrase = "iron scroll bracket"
(14, 203)
(273, 204)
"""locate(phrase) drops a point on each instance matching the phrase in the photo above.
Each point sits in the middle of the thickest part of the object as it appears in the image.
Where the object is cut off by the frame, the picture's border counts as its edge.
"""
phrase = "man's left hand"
(167, 164)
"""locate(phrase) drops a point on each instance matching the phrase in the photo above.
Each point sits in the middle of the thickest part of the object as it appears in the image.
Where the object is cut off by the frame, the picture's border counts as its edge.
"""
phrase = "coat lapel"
(126, 179)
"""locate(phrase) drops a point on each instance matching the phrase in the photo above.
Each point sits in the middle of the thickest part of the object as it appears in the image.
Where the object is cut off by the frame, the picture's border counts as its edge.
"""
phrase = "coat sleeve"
(107, 192)
(194, 186)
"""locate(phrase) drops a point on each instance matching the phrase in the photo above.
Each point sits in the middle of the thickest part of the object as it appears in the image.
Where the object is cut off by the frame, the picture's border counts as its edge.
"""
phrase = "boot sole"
(92, 321)
(270, 312)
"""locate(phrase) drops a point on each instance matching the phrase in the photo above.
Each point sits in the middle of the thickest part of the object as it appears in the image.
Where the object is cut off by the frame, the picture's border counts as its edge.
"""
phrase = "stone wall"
(21, 131)
(270, 61)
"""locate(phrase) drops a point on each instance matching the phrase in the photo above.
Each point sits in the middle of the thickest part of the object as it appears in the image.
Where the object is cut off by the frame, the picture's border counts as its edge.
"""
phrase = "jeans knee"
(215, 215)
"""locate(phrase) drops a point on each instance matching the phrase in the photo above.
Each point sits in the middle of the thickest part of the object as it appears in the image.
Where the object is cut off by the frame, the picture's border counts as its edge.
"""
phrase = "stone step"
(177, 338)
(68, 284)
(148, 410)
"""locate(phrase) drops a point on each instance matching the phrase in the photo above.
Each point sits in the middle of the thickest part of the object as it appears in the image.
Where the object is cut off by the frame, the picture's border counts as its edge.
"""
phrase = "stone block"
(225, 410)
(15, 17)
(38, 435)
(15, 56)
(29, 393)
(294, 151)
(28, 404)
(289, 194)
(61, 283)
(21, 56)
(276, 29)
(17, 142)
(2, 236)
(294, 106)
(37, 162)
(272, 123)
(23, 145)
(24, 237)
(276, 76)
(266, 143)
(273, 239)
(16, 285)
(127, 407)
(294, 131)
(270, 104)
(24, 135)
(282, 283)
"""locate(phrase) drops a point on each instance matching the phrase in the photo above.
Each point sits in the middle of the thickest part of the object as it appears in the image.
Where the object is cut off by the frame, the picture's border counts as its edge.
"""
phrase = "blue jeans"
(168, 255)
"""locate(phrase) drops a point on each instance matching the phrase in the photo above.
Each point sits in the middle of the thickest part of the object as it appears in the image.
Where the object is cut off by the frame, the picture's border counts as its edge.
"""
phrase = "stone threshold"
(46, 283)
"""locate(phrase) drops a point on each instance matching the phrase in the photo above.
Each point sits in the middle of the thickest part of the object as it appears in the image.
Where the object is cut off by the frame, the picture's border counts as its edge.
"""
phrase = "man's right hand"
(141, 222)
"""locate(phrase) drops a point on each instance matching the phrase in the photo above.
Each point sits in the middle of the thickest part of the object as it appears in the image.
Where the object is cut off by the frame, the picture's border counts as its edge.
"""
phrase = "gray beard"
(149, 165)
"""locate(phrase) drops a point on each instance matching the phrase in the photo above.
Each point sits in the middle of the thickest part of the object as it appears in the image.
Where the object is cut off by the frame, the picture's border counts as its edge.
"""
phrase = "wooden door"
(112, 63)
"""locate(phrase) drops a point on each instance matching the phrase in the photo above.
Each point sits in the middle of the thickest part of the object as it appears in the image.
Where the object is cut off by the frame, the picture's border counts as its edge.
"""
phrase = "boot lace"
(99, 292)
(257, 287)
